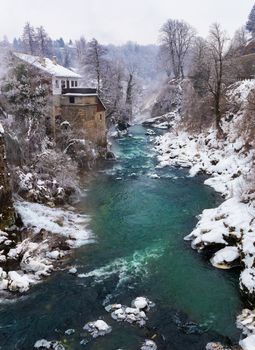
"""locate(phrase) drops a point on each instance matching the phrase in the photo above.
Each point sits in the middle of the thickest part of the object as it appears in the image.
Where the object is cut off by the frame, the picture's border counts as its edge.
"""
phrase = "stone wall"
(87, 117)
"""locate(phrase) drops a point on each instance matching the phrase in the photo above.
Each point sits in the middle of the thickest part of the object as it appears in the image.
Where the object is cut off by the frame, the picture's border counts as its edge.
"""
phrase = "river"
(139, 222)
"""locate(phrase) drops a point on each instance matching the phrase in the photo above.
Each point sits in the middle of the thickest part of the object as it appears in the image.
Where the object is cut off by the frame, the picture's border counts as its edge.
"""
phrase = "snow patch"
(56, 220)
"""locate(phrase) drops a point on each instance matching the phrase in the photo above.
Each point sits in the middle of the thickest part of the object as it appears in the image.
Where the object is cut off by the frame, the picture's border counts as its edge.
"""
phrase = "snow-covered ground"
(231, 226)
(51, 233)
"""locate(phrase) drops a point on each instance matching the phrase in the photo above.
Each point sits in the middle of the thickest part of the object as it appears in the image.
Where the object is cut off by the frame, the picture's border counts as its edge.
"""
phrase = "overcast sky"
(117, 21)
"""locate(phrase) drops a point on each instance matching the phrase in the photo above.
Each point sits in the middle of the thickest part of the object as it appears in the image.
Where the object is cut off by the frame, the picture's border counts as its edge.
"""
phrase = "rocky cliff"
(7, 214)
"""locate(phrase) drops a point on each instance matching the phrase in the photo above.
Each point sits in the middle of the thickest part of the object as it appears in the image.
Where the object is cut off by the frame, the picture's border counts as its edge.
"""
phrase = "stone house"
(72, 104)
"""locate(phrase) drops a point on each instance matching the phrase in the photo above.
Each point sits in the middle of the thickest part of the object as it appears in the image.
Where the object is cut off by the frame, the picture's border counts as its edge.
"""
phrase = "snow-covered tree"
(250, 25)
(27, 99)
(239, 40)
(17, 44)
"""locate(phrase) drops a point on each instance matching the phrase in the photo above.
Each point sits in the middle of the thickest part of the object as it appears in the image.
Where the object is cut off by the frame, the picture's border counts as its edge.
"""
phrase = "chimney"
(42, 61)
(54, 60)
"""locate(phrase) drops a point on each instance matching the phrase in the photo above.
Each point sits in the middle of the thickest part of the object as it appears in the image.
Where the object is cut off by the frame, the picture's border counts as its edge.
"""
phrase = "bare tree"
(217, 46)
(176, 39)
(95, 61)
(129, 95)
(81, 47)
(43, 41)
(112, 87)
(239, 40)
(199, 70)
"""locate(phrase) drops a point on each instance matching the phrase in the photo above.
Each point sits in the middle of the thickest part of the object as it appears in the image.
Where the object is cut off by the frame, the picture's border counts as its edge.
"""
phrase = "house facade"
(80, 107)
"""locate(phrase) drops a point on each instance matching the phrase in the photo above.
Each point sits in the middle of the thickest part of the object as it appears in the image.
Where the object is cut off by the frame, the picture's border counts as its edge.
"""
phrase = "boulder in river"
(136, 314)
(44, 344)
(97, 328)
(248, 343)
(246, 321)
(142, 303)
(149, 345)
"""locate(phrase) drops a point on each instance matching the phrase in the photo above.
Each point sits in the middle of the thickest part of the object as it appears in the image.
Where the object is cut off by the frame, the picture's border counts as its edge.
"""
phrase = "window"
(71, 99)
(72, 83)
(63, 83)
(57, 84)
(76, 83)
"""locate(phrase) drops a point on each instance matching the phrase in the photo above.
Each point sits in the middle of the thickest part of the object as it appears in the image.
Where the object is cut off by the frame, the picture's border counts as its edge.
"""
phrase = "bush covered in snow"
(52, 179)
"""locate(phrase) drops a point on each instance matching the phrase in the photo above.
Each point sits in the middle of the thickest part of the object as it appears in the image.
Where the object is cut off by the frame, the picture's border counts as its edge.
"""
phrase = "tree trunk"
(129, 97)
(218, 116)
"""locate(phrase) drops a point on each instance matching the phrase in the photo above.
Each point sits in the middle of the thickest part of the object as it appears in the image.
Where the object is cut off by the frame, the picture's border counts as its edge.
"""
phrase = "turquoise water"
(139, 223)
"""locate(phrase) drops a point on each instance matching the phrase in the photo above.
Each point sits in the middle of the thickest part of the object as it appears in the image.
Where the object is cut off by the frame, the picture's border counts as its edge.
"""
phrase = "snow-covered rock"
(246, 322)
(149, 345)
(141, 303)
(154, 176)
(72, 270)
(248, 343)
(18, 281)
(224, 257)
(43, 344)
(70, 331)
(216, 346)
(135, 314)
(150, 132)
(97, 328)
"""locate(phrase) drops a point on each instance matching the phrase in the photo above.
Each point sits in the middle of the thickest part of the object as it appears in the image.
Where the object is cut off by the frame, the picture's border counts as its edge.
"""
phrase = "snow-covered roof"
(48, 66)
(78, 94)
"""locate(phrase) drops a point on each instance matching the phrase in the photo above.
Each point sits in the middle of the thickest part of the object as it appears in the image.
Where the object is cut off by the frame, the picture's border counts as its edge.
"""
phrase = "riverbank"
(33, 251)
(228, 228)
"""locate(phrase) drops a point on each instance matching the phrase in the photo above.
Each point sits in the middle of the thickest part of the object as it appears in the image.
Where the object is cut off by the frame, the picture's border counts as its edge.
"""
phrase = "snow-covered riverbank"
(231, 226)
(49, 236)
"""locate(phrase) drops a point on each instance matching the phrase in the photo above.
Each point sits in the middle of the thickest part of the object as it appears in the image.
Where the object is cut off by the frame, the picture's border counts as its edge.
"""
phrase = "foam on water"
(126, 268)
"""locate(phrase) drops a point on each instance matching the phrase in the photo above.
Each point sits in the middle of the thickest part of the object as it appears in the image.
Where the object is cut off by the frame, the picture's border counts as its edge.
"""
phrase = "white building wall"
(58, 82)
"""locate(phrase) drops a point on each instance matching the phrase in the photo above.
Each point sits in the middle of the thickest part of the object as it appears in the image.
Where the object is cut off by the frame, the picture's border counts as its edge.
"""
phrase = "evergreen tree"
(60, 42)
(17, 45)
(250, 25)
(29, 39)
(27, 98)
